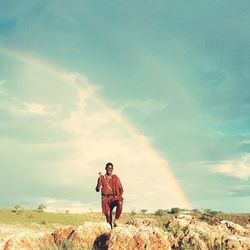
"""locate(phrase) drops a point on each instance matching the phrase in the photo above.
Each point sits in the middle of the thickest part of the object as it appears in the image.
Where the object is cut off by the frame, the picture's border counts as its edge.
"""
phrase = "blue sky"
(177, 72)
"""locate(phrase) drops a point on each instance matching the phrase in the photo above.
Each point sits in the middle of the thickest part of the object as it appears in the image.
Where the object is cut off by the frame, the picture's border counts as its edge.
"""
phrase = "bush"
(18, 209)
(41, 208)
(144, 211)
(175, 210)
(196, 211)
(211, 212)
(161, 212)
(133, 212)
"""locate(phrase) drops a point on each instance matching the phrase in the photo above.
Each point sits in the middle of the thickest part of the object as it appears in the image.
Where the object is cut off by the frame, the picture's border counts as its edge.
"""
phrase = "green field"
(51, 220)
(46, 220)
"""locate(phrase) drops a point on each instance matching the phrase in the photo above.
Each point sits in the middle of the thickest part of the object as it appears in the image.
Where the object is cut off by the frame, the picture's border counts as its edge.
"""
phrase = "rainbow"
(60, 74)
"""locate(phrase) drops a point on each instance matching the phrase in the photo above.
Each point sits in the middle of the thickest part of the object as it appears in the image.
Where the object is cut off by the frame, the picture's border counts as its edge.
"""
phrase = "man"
(111, 192)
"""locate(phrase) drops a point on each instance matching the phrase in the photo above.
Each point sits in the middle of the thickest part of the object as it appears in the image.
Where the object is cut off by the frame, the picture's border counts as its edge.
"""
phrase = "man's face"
(109, 170)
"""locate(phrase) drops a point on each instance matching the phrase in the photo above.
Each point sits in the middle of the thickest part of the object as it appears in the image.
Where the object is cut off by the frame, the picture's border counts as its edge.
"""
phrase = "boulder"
(129, 237)
(234, 228)
(62, 234)
(88, 235)
(30, 241)
(142, 222)
(191, 233)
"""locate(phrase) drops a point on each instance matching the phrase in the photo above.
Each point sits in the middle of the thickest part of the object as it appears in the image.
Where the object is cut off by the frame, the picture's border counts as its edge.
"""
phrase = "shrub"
(210, 212)
(41, 208)
(18, 209)
(175, 210)
(161, 212)
(133, 212)
(144, 211)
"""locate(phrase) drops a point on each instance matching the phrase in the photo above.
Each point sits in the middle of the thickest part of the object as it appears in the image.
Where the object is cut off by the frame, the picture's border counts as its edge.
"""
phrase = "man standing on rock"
(111, 191)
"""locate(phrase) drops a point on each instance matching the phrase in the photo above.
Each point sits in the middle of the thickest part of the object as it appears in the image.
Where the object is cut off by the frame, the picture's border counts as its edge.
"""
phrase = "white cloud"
(2, 91)
(99, 134)
(236, 168)
(39, 109)
(81, 82)
(15, 105)
(62, 205)
(245, 142)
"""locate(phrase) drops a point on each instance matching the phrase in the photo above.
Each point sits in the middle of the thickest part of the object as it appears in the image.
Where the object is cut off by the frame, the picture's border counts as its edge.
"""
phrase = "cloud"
(236, 168)
(245, 142)
(11, 103)
(62, 205)
(93, 133)
(2, 91)
(39, 109)
(99, 136)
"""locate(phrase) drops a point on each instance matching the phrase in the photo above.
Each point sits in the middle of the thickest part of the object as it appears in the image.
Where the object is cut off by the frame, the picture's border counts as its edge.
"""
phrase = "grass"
(48, 220)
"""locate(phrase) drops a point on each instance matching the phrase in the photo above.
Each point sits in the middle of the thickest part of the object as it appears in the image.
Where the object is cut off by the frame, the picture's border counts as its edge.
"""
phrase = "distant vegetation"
(43, 218)
(41, 208)
(18, 209)
(144, 211)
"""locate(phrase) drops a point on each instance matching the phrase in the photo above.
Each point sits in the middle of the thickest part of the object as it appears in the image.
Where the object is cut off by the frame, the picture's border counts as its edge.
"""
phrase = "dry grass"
(38, 220)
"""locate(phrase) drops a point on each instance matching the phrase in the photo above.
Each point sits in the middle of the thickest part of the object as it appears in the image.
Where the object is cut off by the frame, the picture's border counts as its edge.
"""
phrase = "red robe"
(111, 190)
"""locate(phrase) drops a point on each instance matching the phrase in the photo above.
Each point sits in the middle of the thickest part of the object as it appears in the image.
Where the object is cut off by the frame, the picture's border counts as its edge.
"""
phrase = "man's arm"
(120, 185)
(98, 186)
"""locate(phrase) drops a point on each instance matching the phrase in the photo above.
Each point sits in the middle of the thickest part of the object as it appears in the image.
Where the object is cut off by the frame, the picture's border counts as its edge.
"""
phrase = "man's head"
(109, 168)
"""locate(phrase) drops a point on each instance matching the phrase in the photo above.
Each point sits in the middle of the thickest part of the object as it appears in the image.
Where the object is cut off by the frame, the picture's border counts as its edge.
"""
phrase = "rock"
(237, 242)
(29, 241)
(142, 222)
(181, 232)
(61, 235)
(191, 233)
(234, 228)
(89, 234)
(139, 237)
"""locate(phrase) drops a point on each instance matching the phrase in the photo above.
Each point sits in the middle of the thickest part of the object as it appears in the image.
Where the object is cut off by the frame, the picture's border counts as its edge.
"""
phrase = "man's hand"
(98, 186)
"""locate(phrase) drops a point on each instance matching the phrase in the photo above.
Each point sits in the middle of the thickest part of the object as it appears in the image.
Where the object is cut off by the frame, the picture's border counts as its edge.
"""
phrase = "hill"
(47, 231)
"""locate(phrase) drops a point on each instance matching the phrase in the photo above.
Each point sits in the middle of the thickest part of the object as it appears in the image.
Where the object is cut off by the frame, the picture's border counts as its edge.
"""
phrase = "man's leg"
(108, 217)
(107, 211)
(118, 211)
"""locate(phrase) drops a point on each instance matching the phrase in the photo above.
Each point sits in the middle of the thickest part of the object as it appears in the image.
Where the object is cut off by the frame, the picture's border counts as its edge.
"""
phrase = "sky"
(159, 88)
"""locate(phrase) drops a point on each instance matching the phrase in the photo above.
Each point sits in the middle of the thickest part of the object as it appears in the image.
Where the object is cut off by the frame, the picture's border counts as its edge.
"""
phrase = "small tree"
(133, 212)
(41, 208)
(175, 210)
(18, 209)
(160, 212)
(144, 211)
(210, 212)
(196, 211)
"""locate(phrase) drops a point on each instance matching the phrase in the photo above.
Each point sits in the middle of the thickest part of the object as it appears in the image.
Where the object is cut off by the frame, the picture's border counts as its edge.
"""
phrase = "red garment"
(111, 190)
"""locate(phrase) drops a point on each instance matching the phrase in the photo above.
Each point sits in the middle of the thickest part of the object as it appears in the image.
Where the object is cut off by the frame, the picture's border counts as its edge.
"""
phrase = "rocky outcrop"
(29, 241)
(139, 237)
(89, 235)
(191, 233)
(142, 222)
(61, 235)
(181, 232)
